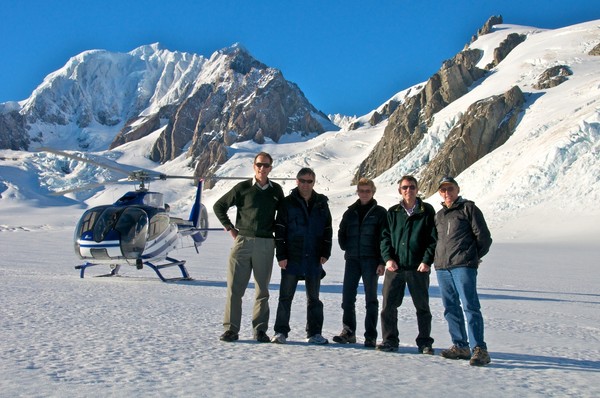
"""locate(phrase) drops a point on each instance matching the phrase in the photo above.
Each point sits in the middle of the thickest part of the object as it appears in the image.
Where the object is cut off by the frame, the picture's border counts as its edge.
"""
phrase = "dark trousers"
(394, 285)
(357, 268)
(314, 310)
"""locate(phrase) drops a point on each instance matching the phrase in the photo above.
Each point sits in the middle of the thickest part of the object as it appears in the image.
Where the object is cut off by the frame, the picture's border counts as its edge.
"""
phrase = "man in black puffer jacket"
(359, 236)
(302, 245)
(407, 247)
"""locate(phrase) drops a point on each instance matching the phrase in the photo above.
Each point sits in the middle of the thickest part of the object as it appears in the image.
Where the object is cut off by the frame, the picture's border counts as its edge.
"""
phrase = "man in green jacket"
(256, 201)
(407, 247)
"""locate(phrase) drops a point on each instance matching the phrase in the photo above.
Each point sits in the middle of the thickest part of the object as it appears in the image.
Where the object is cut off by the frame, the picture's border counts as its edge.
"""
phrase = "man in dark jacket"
(302, 245)
(359, 236)
(407, 247)
(463, 239)
(256, 201)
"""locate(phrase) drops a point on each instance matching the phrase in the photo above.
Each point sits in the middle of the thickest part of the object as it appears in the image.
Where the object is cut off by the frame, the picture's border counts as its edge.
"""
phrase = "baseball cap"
(447, 180)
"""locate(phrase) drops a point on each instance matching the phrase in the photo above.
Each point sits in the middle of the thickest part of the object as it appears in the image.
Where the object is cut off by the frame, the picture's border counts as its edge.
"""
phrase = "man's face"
(262, 167)
(449, 193)
(365, 193)
(305, 184)
(408, 190)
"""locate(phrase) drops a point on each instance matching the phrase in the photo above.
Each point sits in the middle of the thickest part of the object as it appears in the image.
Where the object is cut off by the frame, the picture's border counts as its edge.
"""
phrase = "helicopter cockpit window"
(106, 222)
(133, 228)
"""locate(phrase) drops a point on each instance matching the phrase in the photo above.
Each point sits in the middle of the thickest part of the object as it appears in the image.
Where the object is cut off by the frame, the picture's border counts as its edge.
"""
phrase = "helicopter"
(137, 229)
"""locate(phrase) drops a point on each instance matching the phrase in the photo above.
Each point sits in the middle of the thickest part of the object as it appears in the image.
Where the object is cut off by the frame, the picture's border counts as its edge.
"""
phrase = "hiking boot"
(387, 347)
(279, 338)
(427, 350)
(317, 339)
(480, 357)
(370, 343)
(455, 352)
(345, 337)
(262, 337)
(229, 336)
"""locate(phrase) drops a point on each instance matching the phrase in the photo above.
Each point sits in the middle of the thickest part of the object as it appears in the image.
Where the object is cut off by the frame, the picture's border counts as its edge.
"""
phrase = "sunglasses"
(364, 191)
(406, 187)
(447, 189)
(303, 181)
(265, 165)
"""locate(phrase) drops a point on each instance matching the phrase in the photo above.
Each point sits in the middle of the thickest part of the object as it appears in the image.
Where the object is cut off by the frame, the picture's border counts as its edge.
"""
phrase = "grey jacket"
(463, 235)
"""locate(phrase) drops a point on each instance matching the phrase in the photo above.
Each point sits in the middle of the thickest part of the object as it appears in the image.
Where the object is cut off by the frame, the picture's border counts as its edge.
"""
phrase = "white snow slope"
(136, 336)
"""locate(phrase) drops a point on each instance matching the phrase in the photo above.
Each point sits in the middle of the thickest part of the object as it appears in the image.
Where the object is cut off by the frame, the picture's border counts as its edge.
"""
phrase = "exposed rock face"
(13, 134)
(487, 27)
(485, 126)
(408, 123)
(595, 50)
(507, 45)
(552, 77)
(249, 102)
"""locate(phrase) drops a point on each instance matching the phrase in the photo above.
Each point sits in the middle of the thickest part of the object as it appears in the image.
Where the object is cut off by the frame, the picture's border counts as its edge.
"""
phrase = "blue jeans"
(459, 285)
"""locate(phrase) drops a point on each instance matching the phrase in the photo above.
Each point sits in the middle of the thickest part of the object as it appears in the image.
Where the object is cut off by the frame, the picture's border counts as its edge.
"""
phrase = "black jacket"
(463, 235)
(362, 239)
(409, 240)
(303, 233)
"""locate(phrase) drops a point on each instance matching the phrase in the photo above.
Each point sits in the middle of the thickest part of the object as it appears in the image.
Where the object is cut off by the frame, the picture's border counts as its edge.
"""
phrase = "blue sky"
(347, 56)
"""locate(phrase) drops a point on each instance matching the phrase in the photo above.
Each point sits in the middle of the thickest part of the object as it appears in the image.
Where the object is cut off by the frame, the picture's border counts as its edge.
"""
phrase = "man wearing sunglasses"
(407, 247)
(256, 201)
(463, 239)
(303, 236)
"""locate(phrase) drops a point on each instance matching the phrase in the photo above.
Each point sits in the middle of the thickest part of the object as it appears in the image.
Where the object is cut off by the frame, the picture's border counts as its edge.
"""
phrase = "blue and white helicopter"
(137, 229)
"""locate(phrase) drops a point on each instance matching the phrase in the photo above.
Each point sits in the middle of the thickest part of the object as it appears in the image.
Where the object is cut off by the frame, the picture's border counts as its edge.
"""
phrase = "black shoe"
(345, 337)
(387, 347)
(370, 343)
(229, 336)
(262, 337)
(427, 350)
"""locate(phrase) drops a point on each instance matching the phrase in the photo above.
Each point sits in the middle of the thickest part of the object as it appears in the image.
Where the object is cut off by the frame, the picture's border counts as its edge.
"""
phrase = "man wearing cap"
(463, 239)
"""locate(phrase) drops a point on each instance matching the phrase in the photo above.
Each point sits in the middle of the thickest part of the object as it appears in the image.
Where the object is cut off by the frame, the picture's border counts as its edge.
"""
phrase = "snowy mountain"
(101, 100)
(548, 162)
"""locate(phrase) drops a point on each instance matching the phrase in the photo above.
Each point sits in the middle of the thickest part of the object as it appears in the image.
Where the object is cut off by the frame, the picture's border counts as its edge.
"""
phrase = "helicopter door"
(133, 228)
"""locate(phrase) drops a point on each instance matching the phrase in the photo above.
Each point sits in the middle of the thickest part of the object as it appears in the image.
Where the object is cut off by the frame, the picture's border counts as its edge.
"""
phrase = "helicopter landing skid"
(171, 262)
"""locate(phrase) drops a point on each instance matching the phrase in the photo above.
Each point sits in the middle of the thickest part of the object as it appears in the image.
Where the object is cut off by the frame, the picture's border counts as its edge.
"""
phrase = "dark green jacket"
(255, 208)
(409, 241)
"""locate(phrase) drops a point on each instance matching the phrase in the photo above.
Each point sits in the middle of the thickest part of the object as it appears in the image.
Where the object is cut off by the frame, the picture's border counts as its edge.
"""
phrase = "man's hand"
(424, 268)
(233, 232)
(380, 269)
(391, 265)
(282, 264)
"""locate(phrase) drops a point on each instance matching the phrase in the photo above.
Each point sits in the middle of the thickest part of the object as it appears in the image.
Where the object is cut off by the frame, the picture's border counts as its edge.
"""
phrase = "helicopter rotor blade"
(85, 187)
(247, 178)
(82, 159)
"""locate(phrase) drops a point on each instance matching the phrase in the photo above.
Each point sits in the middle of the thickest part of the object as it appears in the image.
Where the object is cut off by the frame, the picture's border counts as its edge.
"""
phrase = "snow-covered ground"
(136, 336)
